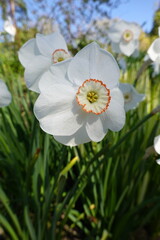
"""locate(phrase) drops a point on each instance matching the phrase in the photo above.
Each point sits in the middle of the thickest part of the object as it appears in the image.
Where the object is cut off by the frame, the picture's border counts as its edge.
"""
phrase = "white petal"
(136, 99)
(114, 117)
(5, 96)
(128, 48)
(125, 87)
(136, 29)
(55, 75)
(157, 144)
(116, 30)
(58, 112)
(92, 62)
(34, 71)
(27, 52)
(47, 44)
(77, 138)
(94, 127)
(154, 50)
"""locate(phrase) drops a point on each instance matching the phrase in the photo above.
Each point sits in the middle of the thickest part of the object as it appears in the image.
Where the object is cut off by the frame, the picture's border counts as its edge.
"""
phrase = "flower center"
(60, 55)
(93, 96)
(127, 97)
(127, 35)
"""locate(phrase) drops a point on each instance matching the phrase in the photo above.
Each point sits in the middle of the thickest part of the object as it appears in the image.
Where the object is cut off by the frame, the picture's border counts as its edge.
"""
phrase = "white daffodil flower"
(5, 96)
(80, 99)
(124, 37)
(131, 97)
(157, 144)
(10, 28)
(38, 54)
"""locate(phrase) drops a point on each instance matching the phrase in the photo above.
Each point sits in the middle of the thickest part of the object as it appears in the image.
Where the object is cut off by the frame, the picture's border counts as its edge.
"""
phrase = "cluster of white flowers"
(79, 96)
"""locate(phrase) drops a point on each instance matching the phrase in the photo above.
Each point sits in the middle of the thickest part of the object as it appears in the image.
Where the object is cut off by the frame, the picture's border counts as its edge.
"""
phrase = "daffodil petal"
(115, 31)
(27, 52)
(114, 117)
(55, 75)
(136, 29)
(92, 62)
(34, 71)
(95, 128)
(47, 44)
(128, 48)
(77, 138)
(59, 114)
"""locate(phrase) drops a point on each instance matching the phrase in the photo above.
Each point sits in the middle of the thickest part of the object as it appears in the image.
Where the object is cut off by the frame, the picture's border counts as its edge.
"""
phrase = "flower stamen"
(92, 96)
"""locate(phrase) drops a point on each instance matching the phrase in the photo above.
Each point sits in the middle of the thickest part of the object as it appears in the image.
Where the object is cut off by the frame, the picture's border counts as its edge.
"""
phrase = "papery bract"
(131, 97)
(38, 54)
(80, 99)
(124, 37)
(5, 96)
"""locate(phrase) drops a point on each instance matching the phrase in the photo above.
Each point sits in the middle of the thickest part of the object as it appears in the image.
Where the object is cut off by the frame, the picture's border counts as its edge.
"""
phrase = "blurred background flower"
(10, 29)
(5, 96)
(131, 97)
